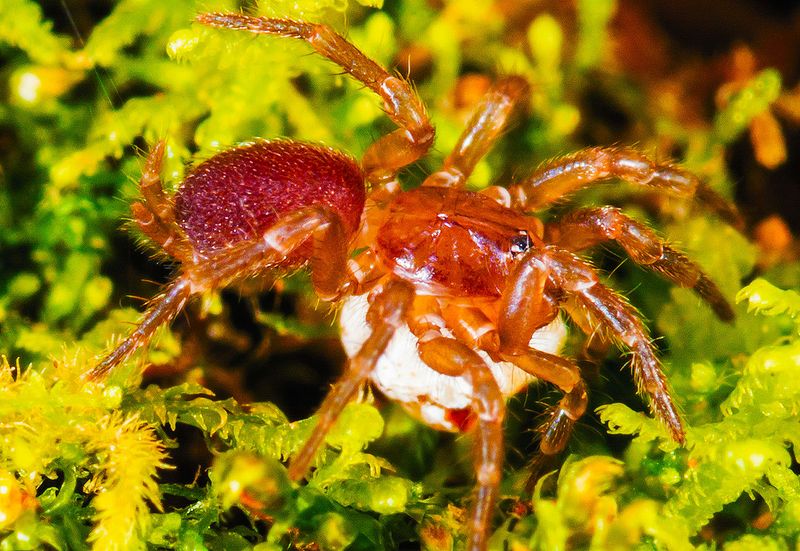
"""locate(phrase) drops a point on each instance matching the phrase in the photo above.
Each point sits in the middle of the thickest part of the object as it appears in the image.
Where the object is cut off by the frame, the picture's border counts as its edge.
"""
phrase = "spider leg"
(155, 215)
(473, 327)
(328, 261)
(524, 305)
(150, 186)
(598, 164)
(586, 228)
(452, 357)
(328, 264)
(365, 270)
(388, 154)
(162, 310)
(386, 313)
(565, 375)
(557, 429)
(486, 124)
(579, 281)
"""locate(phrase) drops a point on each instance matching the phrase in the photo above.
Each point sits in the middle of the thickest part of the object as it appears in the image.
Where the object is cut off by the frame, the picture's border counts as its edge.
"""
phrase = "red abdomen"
(239, 193)
(450, 242)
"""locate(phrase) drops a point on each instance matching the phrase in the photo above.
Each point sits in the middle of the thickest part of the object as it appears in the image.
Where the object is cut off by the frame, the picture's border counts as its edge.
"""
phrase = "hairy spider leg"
(452, 357)
(389, 153)
(564, 374)
(585, 228)
(473, 328)
(386, 313)
(163, 308)
(250, 258)
(484, 127)
(572, 172)
(155, 215)
(241, 260)
(572, 276)
(555, 431)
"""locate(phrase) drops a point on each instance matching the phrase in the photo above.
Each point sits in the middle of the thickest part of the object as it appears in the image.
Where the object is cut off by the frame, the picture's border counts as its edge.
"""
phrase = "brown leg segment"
(452, 357)
(247, 258)
(276, 245)
(488, 453)
(586, 228)
(388, 154)
(524, 307)
(474, 328)
(386, 314)
(484, 127)
(557, 429)
(150, 186)
(329, 273)
(589, 166)
(155, 216)
(162, 310)
(622, 322)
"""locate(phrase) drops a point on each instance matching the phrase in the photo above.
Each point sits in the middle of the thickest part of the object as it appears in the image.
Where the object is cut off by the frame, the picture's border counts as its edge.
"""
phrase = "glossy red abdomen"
(451, 242)
(239, 193)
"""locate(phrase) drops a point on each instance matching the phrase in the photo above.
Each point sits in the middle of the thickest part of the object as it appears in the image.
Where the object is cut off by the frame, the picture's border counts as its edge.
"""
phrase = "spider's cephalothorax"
(452, 299)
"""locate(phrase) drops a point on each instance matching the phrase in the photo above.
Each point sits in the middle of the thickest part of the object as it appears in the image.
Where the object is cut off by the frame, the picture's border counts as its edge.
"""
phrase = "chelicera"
(451, 299)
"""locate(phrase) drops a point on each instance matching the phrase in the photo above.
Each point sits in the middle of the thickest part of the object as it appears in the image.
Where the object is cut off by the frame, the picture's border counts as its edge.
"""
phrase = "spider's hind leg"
(274, 248)
(162, 310)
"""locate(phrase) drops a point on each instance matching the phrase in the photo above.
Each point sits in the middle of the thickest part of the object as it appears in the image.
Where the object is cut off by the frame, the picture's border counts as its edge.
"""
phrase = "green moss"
(105, 466)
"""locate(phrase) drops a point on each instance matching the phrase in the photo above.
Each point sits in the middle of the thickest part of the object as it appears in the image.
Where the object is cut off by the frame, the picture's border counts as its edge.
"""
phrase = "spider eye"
(520, 244)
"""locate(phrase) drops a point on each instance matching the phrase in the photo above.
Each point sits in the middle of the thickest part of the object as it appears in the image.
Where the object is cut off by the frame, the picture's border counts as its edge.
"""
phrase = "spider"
(450, 299)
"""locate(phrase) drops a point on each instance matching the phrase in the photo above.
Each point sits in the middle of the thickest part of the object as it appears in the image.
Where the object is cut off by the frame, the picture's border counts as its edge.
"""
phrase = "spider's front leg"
(594, 165)
(277, 244)
(585, 228)
(473, 330)
(388, 154)
(557, 428)
(515, 344)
